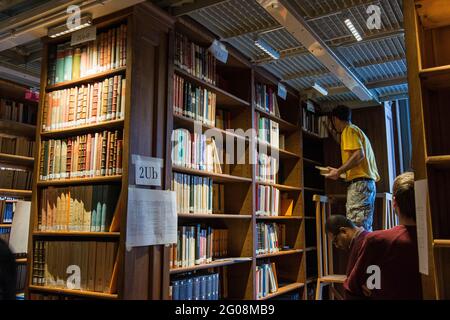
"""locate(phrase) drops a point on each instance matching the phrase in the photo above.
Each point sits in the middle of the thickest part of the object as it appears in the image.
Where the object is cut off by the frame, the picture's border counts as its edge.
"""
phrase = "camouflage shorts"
(360, 203)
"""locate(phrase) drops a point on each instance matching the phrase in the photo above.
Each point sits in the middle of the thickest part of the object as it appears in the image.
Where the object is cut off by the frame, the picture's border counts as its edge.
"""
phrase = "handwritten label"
(310, 106)
(282, 91)
(148, 171)
(84, 35)
(219, 51)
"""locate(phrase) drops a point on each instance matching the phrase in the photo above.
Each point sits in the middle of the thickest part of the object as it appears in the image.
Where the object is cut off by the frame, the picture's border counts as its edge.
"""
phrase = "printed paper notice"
(18, 239)
(152, 217)
(421, 192)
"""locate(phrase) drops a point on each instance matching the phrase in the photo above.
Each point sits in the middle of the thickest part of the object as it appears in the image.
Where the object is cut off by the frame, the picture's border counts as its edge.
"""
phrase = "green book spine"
(104, 209)
(94, 208)
(59, 74)
(76, 64)
(68, 61)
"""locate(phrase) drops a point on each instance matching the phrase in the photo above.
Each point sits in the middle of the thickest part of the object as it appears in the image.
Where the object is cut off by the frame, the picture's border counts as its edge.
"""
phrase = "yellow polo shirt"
(353, 138)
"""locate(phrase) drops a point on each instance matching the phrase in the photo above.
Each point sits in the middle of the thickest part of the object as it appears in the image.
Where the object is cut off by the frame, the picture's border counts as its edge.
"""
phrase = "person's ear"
(395, 205)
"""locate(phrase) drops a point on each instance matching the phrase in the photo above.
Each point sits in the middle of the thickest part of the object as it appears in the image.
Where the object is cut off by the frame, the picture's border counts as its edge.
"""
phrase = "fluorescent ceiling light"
(320, 89)
(85, 21)
(264, 46)
(353, 30)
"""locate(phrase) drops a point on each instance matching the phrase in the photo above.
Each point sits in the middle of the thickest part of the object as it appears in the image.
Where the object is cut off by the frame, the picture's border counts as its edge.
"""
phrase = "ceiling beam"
(345, 6)
(363, 64)
(387, 83)
(195, 6)
(34, 56)
(300, 30)
(305, 74)
(6, 4)
(20, 75)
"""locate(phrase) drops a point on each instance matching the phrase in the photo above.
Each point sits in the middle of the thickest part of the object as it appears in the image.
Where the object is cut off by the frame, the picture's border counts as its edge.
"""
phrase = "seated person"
(346, 236)
(7, 273)
(394, 251)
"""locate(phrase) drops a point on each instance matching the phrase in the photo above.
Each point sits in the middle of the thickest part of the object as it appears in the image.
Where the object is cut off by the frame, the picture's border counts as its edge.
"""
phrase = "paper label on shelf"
(84, 35)
(151, 218)
(148, 170)
(219, 51)
(282, 91)
(421, 196)
(18, 240)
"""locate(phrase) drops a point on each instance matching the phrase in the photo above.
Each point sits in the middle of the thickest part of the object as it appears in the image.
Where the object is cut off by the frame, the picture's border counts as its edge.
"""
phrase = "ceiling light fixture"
(264, 46)
(320, 89)
(353, 30)
(85, 21)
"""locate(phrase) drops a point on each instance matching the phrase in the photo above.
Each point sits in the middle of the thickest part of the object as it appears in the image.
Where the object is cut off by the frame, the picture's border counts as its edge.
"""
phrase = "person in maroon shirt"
(346, 236)
(393, 251)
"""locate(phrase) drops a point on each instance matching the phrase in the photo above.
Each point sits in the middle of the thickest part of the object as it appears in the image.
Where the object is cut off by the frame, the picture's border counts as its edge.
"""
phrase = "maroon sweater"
(354, 251)
(395, 252)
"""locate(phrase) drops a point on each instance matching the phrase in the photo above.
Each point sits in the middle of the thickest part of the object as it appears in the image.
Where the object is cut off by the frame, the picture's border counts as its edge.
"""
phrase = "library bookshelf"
(130, 44)
(427, 25)
(235, 91)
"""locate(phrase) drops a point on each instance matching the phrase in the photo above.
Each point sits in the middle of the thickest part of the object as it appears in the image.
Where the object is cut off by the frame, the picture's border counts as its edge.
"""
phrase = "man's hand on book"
(332, 174)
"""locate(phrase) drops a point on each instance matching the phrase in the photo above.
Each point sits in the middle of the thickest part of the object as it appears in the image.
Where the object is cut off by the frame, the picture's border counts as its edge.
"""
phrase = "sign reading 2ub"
(148, 171)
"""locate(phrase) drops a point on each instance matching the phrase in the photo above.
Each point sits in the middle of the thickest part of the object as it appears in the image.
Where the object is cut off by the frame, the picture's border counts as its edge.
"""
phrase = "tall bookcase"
(14, 153)
(235, 89)
(427, 25)
(144, 43)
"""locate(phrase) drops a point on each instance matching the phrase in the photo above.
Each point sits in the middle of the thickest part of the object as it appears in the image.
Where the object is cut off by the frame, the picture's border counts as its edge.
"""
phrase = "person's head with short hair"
(341, 230)
(404, 198)
(341, 116)
(7, 273)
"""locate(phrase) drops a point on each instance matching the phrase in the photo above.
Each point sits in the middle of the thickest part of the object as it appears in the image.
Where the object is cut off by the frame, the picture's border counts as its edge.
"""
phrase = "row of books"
(52, 297)
(266, 99)
(268, 131)
(194, 59)
(89, 155)
(15, 179)
(315, 123)
(6, 211)
(108, 51)
(266, 168)
(223, 119)
(266, 280)
(271, 237)
(194, 194)
(86, 104)
(196, 287)
(19, 146)
(21, 276)
(17, 111)
(197, 245)
(79, 208)
(4, 234)
(95, 259)
(267, 201)
(194, 101)
(195, 151)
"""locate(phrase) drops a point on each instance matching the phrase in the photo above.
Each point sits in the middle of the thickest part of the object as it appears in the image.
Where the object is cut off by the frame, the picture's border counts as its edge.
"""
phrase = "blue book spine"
(203, 288)
(190, 289)
(197, 288)
(176, 290)
(183, 290)
(209, 287)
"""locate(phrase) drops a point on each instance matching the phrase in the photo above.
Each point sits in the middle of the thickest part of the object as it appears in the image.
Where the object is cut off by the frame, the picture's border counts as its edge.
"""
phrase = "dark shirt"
(355, 250)
(7, 273)
(395, 252)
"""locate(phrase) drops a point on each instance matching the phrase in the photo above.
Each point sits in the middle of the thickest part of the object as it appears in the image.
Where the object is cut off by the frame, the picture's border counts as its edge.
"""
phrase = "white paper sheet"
(421, 192)
(151, 218)
(18, 239)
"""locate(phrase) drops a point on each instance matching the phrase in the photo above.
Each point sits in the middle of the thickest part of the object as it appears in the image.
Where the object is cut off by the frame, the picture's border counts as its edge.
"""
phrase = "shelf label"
(310, 106)
(282, 91)
(148, 171)
(84, 35)
(219, 51)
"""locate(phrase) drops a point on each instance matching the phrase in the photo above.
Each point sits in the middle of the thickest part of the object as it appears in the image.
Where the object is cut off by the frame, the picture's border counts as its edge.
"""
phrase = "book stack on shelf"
(80, 141)
(203, 286)
(427, 29)
(313, 122)
(266, 280)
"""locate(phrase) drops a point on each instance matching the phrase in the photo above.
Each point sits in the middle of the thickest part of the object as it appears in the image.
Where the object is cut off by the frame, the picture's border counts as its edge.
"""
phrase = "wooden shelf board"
(280, 253)
(220, 263)
(91, 78)
(212, 216)
(283, 124)
(278, 217)
(283, 154)
(279, 186)
(310, 249)
(17, 193)
(87, 294)
(5, 225)
(311, 279)
(441, 243)
(22, 260)
(76, 234)
(313, 162)
(190, 123)
(215, 176)
(433, 13)
(310, 218)
(283, 290)
(223, 98)
(107, 125)
(314, 189)
(439, 161)
(312, 134)
(16, 160)
(17, 128)
(76, 181)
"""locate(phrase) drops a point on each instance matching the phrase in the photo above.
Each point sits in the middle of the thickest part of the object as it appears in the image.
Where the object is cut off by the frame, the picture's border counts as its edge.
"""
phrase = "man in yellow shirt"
(359, 167)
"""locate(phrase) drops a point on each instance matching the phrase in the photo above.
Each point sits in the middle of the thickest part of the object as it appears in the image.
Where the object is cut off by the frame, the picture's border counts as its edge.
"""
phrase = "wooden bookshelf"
(279, 253)
(16, 160)
(146, 47)
(278, 218)
(214, 264)
(16, 193)
(17, 129)
(217, 177)
(427, 26)
(212, 216)
(5, 225)
(282, 290)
